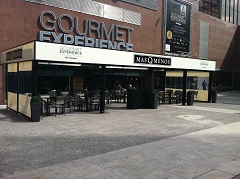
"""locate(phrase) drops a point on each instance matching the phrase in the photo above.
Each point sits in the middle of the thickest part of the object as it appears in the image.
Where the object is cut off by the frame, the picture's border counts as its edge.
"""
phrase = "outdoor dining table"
(48, 100)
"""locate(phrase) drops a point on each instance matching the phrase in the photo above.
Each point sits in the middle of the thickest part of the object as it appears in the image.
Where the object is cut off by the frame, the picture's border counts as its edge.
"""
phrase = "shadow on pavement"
(9, 115)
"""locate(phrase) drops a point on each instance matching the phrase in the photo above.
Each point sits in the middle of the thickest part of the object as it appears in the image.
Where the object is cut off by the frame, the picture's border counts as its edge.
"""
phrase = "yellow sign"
(169, 34)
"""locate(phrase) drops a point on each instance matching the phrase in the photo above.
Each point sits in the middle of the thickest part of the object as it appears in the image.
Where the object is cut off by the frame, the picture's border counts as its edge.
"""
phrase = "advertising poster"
(177, 27)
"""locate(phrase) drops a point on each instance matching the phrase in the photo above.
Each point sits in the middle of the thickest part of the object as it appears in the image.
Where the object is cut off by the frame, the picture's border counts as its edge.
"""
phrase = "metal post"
(34, 77)
(102, 98)
(184, 85)
(210, 82)
(150, 76)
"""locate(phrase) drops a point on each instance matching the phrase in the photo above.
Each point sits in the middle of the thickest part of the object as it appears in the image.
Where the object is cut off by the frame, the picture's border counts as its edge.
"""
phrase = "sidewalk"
(173, 141)
(211, 153)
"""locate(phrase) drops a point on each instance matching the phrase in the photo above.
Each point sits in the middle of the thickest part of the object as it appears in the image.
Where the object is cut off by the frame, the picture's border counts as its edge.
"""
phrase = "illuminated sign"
(54, 30)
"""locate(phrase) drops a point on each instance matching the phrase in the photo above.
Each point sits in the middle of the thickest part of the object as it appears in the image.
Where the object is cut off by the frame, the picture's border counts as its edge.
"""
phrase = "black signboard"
(152, 60)
(15, 54)
(177, 26)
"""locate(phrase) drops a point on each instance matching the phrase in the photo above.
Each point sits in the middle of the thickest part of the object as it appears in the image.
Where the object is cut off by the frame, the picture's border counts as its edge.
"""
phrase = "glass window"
(174, 82)
(12, 82)
(231, 14)
(223, 15)
(227, 13)
(25, 82)
(192, 83)
(235, 18)
(238, 18)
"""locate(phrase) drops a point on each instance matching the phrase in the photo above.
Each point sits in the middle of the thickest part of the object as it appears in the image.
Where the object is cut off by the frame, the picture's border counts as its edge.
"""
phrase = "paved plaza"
(173, 141)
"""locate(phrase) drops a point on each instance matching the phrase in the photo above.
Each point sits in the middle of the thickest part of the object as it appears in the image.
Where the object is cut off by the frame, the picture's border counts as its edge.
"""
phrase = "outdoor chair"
(118, 95)
(79, 103)
(68, 103)
(161, 97)
(175, 96)
(108, 98)
(168, 96)
(95, 103)
(43, 106)
(55, 103)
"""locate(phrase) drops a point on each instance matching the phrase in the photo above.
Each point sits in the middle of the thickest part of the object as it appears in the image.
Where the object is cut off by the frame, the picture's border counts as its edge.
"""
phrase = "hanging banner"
(177, 33)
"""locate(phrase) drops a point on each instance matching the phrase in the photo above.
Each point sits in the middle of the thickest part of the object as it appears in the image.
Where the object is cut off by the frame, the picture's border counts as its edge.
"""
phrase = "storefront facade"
(129, 31)
(27, 65)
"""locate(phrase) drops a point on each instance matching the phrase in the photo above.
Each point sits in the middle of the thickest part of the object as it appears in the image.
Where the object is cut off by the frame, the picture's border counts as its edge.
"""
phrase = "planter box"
(190, 98)
(35, 111)
(214, 97)
(136, 99)
(153, 101)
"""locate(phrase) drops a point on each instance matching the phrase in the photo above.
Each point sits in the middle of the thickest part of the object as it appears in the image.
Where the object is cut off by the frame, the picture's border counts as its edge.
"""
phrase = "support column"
(34, 77)
(184, 85)
(150, 79)
(210, 82)
(102, 98)
(18, 87)
(164, 81)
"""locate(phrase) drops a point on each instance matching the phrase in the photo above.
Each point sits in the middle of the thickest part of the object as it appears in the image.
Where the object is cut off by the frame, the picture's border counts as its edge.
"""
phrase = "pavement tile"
(72, 166)
(189, 170)
(236, 177)
(231, 167)
(216, 174)
(34, 174)
(129, 168)
(201, 157)
(166, 175)
(91, 173)
(106, 157)
(162, 164)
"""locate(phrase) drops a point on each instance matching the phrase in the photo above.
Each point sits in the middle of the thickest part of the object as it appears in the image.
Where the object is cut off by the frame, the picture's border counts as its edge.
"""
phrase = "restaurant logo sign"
(74, 31)
(152, 60)
(70, 52)
(15, 54)
(204, 64)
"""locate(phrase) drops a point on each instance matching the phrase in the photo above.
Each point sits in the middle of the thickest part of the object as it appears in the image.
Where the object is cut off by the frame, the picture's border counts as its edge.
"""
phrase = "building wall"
(23, 25)
(222, 41)
(20, 24)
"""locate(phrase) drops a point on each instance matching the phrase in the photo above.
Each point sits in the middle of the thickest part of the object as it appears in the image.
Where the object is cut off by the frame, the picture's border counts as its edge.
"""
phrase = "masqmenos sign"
(152, 60)
(108, 39)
